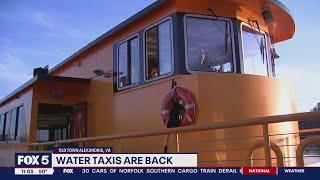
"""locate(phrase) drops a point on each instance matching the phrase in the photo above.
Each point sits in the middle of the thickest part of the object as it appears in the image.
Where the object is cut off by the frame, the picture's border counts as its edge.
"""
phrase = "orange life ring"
(188, 117)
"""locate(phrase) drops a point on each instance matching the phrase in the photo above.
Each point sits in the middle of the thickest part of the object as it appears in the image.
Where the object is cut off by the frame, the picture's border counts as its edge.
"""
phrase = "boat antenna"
(210, 10)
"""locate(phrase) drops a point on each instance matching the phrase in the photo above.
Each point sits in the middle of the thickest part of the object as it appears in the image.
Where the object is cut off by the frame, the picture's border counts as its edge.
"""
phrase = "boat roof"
(137, 16)
(276, 3)
(42, 77)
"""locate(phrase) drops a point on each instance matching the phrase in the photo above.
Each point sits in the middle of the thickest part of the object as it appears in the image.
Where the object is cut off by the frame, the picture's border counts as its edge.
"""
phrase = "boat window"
(2, 123)
(159, 50)
(254, 52)
(64, 126)
(13, 122)
(209, 45)
(14, 125)
(128, 63)
(7, 128)
(21, 133)
(42, 135)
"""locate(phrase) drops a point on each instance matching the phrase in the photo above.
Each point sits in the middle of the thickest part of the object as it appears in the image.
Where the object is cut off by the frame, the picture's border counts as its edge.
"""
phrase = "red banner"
(259, 170)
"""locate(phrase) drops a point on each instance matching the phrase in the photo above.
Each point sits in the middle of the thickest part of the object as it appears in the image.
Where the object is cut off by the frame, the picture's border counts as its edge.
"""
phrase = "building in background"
(316, 108)
(310, 127)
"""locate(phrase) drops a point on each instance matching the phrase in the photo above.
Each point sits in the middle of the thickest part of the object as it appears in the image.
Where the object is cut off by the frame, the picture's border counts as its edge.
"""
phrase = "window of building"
(42, 135)
(254, 47)
(65, 125)
(128, 63)
(8, 125)
(209, 44)
(21, 128)
(2, 125)
(159, 50)
(14, 125)
(60, 134)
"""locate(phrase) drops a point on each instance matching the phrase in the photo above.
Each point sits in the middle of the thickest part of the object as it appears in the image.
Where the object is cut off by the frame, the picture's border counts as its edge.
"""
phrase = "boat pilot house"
(175, 64)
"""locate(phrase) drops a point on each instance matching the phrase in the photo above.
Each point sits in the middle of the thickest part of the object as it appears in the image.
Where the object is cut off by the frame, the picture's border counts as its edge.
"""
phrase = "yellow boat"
(179, 76)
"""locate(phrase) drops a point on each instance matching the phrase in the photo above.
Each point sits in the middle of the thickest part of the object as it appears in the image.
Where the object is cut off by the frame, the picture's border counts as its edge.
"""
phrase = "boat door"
(80, 120)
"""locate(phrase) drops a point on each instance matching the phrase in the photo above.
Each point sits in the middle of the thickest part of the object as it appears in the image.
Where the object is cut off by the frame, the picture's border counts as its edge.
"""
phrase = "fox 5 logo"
(33, 160)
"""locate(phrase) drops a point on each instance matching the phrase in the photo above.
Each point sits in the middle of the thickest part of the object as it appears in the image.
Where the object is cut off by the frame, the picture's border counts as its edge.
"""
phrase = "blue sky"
(35, 33)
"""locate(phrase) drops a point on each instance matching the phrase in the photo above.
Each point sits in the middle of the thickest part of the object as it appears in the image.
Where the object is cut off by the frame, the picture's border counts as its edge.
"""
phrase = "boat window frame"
(169, 19)
(127, 39)
(234, 67)
(269, 56)
(266, 37)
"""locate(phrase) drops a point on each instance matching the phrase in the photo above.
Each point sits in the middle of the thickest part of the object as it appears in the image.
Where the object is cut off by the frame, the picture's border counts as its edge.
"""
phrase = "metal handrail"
(263, 121)
(198, 127)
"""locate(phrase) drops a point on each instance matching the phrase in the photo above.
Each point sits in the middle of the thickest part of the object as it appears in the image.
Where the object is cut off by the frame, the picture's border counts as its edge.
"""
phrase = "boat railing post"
(118, 145)
(166, 143)
(39, 147)
(81, 144)
(178, 142)
(55, 144)
(267, 151)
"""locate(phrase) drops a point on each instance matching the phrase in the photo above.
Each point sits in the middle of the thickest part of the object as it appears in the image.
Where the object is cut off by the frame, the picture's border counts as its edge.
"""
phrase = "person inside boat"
(203, 56)
(204, 64)
(154, 72)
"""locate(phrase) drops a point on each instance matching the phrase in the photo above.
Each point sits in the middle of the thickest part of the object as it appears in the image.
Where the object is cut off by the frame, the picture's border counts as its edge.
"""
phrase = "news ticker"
(251, 171)
(103, 161)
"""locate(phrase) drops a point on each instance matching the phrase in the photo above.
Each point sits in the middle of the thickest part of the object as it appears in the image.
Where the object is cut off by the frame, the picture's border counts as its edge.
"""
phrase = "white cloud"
(60, 29)
(40, 18)
(13, 70)
(54, 28)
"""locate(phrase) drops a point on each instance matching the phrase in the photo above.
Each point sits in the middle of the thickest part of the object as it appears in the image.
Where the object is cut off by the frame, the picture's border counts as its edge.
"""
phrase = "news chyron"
(71, 160)
(33, 164)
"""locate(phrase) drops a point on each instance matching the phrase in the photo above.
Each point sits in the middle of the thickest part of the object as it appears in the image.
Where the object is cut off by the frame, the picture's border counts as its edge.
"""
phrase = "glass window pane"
(165, 48)
(64, 133)
(2, 127)
(123, 65)
(43, 135)
(152, 53)
(128, 72)
(209, 45)
(13, 120)
(57, 134)
(254, 52)
(159, 50)
(134, 60)
(22, 127)
(7, 128)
